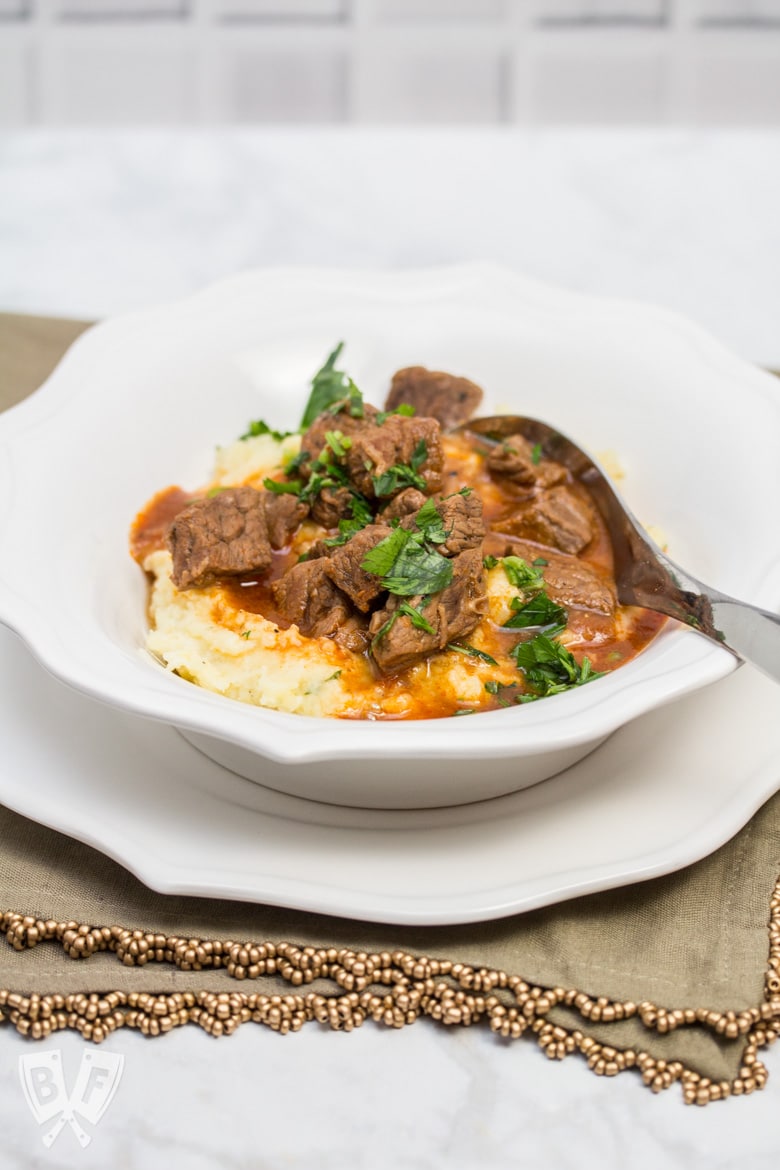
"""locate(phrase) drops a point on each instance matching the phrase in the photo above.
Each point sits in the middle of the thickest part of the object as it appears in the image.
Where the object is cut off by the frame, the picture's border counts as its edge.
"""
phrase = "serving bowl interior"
(140, 402)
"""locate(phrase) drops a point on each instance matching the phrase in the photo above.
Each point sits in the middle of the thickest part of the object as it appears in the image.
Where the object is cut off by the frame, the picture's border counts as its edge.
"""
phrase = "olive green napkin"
(678, 977)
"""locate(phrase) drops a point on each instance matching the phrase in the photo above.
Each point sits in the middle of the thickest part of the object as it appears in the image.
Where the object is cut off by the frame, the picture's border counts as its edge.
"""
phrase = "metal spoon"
(644, 575)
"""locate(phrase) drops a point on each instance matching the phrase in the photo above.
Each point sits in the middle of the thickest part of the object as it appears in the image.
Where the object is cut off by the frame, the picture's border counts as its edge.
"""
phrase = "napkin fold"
(677, 978)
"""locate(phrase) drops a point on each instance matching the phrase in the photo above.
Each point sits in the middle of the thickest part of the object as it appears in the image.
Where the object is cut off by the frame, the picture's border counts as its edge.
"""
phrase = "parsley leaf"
(550, 668)
(417, 569)
(521, 574)
(281, 487)
(260, 427)
(536, 453)
(406, 566)
(403, 409)
(539, 610)
(471, 652)
(332, 389)
(339, 443)
(402, 475)
(416, 617)
(381, 558)
(430, 523)
(361, 516)
(494, 687)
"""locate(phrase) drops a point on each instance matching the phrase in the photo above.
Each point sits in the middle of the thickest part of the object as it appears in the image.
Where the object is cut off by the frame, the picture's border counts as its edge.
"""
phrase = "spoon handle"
(644, 575)
(750, 633)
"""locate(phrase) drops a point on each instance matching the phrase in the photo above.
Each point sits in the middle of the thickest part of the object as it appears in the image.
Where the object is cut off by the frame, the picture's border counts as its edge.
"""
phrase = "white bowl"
(140, 402)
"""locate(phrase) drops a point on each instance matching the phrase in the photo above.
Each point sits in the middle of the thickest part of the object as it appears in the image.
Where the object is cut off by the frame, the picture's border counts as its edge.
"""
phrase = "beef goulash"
(384, 563)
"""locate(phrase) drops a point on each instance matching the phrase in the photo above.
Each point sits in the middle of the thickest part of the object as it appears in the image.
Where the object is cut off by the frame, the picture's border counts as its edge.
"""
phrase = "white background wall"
(143, 62)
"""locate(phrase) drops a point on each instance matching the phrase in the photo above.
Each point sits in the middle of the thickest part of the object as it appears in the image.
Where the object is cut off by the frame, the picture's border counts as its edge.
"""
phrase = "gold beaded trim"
(452, 993)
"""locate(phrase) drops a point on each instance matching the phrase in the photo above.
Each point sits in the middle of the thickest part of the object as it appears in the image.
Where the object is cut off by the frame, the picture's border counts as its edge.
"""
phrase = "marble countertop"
(93, 224)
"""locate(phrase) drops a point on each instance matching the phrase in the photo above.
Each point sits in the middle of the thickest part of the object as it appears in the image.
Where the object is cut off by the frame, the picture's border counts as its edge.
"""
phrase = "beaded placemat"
(677, 978)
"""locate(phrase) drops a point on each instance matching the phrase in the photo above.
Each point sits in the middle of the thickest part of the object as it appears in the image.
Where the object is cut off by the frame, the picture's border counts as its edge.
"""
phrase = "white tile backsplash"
(599, 88)
(103, 62)
(426, 10)
(280, 10)
(601, 11)
(14, 9)
(283, 87)
(431, 87)
(116, 83)
(101, 10)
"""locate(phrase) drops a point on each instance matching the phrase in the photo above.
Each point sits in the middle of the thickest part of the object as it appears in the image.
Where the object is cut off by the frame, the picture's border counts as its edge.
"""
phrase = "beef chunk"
(283, 513)
(513, 459)
(433, 394)
(331, 505)
(568, 580)
(408, 501)
(343, 566)
(462, 519)
(571, 582)
(354, 635)
(452, 613)
(320, 548)
(375, 449)
(222, 535)
(306, 596)
(556, 517)
(314, 441)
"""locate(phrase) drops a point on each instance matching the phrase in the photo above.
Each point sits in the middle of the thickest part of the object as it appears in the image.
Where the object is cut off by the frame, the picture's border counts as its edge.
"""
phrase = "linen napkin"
(677, 978)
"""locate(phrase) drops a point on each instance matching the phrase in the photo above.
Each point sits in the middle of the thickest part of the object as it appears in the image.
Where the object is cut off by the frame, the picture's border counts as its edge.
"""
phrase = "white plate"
(664, 791)
(140, 401)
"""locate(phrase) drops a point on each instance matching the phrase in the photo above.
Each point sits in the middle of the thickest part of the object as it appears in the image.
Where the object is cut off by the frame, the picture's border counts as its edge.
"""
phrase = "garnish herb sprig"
(332, 388)
(549, 668)
(402, 475)
(532, 607)
(407, 560)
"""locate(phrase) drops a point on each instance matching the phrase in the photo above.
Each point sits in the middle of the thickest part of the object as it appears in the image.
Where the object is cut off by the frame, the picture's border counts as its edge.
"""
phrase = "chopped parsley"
(407, 565)
(324, 473)
(521, 574)
(536, 453)
(381, 558)
(549, 668)
(532, 607)
(494, 687)
(539, 610)
(404, 409)
(471, 652)
(296, 462)
(402, 475)
(283, 487)
(417, 569)
(333, 390)
(338, 443)
(416, 616)
(260, 427)
(430, 523)
(361, 516)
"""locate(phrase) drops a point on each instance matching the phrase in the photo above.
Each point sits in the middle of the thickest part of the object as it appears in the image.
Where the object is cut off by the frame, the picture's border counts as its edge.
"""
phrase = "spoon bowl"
(644, 574)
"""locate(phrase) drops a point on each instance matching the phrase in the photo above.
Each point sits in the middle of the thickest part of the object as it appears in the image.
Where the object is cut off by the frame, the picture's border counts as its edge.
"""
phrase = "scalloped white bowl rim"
(81, 610)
